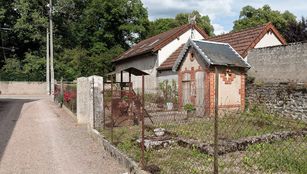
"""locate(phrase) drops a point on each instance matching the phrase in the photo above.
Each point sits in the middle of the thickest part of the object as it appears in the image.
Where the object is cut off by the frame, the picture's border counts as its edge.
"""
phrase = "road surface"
(36, 137)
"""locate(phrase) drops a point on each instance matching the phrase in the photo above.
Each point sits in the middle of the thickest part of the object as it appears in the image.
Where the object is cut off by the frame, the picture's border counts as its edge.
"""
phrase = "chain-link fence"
(65, 93)
(180, 136)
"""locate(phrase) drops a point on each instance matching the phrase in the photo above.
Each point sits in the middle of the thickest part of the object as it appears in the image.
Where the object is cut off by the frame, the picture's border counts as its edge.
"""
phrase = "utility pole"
(47, 65)
(51, 48)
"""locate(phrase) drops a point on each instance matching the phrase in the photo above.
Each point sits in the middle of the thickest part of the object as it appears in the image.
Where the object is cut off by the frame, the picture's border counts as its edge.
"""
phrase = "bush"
(189, 107)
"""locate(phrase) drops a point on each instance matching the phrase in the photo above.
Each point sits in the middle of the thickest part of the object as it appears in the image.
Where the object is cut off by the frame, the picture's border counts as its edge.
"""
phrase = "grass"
(288, 156)
(181, 160)
(254, 123)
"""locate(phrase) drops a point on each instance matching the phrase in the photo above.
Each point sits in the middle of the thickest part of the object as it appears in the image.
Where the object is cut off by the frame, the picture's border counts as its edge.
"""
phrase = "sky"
(221, 12)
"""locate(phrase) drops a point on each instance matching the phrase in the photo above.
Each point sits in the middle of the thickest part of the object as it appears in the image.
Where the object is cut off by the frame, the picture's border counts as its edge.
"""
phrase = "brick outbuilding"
(196, 66)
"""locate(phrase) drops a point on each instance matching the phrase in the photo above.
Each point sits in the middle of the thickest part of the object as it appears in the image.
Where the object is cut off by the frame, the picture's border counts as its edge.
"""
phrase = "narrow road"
(36, 137)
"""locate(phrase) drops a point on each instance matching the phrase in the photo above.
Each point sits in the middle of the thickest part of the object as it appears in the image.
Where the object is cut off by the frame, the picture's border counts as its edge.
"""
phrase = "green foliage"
(189, 107)
(11, 71)
(251, 17)
(288, 160)
(169, 91)
(296, 31)
(34, 67)
(202, 21)
(86, 34)
(163, 24)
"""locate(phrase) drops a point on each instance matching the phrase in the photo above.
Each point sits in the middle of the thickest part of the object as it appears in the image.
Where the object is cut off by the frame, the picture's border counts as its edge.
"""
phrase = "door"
(200, 93)
(186, 88)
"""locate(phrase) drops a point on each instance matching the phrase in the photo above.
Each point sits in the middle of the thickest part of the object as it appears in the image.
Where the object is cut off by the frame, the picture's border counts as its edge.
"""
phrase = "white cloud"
(219, 29)
(221, 12)
(169, 8)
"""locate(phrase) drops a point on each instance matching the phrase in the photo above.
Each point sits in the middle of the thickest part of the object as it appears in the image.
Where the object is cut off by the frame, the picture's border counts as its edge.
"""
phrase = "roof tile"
(242, 41)
(156, 42)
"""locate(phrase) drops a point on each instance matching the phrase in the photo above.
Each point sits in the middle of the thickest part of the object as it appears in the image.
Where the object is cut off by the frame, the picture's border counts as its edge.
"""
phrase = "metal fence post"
(142, 117)
(216, 122)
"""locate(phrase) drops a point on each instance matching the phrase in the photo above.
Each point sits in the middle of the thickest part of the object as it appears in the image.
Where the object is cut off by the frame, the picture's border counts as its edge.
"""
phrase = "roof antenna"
(192, 22)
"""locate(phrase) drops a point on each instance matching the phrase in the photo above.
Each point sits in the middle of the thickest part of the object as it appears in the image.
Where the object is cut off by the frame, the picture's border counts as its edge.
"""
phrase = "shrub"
(189, 107)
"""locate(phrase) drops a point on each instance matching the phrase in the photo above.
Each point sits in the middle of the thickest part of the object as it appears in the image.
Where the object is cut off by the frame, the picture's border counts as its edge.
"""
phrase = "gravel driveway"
(38, 137)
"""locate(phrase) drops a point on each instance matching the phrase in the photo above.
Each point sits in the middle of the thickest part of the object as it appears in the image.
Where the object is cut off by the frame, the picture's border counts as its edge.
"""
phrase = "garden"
(269, 143)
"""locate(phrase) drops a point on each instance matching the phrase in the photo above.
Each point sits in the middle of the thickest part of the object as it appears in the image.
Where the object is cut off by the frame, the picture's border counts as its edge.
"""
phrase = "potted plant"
(190, 109)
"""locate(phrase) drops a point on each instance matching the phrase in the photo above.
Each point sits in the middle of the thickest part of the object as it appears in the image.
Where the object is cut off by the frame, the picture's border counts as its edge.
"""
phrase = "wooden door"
(200, 93)
(186, 88)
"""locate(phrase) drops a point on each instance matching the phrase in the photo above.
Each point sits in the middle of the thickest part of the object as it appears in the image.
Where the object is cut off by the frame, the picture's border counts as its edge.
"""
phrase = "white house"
(157, 55)
(149, 54)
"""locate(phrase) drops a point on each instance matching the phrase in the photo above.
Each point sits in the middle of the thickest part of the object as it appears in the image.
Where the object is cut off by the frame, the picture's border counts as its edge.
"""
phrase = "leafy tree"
(202, 21)
(109, 23)
(296, 31)
(11, 71)
(163, 24)
(87, 35)
(34, 67)
(251, 17)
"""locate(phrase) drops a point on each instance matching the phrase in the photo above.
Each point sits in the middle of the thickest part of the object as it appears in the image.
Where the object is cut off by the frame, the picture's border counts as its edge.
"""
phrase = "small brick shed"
(196, 65)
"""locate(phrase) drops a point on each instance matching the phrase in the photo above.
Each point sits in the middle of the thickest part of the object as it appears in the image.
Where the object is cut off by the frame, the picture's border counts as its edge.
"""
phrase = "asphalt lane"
(38, 137)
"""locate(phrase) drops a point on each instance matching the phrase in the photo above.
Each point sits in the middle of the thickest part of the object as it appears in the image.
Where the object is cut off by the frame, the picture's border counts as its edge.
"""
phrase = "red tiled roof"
(242, 41)
(156, 42)
(169, 62)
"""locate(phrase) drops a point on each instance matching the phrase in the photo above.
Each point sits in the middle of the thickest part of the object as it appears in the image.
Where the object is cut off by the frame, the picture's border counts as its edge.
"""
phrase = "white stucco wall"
(167, 75)
(146, 63)
(269, 39)
(167, 50)
(229, 93)
(22, 88)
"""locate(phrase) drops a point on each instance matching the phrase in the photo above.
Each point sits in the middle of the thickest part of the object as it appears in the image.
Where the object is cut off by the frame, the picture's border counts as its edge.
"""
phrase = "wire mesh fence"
(179, 137)
(65, 93)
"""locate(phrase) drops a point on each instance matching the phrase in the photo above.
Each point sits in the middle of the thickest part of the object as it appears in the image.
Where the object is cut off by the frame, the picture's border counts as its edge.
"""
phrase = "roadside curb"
(74, 116)
(123, 159)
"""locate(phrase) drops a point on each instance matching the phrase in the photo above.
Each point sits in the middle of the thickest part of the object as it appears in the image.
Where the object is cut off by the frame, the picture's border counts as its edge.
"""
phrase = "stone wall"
(288, 99)
(23, 88)
(279, 64)
(90, 101)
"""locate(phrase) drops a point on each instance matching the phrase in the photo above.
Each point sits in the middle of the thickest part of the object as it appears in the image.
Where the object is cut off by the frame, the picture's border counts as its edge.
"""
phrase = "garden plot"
(260, 157)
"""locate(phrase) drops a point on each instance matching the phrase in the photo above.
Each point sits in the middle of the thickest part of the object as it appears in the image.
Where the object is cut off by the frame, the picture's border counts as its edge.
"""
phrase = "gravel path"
(38, 137)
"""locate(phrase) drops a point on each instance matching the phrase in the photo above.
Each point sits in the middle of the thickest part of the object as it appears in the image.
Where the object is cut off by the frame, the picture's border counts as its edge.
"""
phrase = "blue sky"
(221, 12)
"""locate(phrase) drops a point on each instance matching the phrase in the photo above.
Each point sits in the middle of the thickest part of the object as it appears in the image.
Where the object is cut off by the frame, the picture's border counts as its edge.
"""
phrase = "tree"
(34, 67)
(163, 24)
(11, 71)
(251, 17)
(87, 35)
(109, 23)
(296, 31)
(202, 21)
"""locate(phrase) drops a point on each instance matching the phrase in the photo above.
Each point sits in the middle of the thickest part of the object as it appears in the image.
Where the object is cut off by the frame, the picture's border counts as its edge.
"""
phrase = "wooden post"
(216, 122)
(142, 124)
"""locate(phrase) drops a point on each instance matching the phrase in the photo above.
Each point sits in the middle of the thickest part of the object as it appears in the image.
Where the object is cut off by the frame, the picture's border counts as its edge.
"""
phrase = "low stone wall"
(23, 88)
(288, 99)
